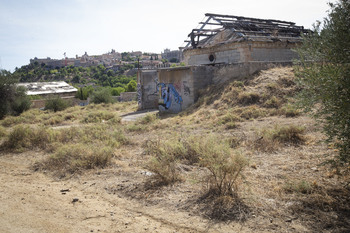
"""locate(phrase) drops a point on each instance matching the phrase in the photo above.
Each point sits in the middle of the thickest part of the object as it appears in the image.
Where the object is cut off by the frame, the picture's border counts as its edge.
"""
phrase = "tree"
(324, 75)
(7, 92)
(102, 95)
(131, 87)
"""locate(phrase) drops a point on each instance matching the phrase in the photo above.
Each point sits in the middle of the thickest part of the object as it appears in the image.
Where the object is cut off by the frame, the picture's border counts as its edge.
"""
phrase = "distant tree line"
(94, 75)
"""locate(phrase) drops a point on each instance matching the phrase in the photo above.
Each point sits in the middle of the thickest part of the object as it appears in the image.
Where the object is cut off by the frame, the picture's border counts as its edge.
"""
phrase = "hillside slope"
(284, 187)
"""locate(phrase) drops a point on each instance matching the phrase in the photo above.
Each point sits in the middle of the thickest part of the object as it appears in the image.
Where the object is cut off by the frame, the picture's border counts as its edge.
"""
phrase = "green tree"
(21, 101)
(7, 91)
(56, 103)
(103, 95)
(131, 87)
(324, 75)
(117, 90)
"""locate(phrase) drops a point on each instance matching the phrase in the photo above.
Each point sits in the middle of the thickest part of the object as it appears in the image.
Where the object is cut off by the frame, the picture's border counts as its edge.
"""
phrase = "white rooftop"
(41, 88)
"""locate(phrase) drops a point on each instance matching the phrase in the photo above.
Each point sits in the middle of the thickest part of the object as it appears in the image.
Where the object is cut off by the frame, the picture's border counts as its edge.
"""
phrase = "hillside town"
(114, 59)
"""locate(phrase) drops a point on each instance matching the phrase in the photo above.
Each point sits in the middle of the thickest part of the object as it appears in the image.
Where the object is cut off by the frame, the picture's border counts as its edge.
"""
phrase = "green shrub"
(117, 90)
(56, 103)
(21, 101)
(102, 95)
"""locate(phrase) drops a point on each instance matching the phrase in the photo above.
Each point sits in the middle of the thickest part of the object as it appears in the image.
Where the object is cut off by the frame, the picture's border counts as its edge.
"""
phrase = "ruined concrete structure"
(234, 48)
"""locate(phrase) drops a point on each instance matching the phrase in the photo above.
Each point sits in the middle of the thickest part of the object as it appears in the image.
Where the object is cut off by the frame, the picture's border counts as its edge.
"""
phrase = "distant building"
(172, 55)
(46, 89)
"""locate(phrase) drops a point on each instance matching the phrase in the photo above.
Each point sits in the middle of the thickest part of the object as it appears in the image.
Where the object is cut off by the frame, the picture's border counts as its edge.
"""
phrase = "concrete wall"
(173, 89)
(147, 94)
(128, 96)
(176, 89)
(241, 52)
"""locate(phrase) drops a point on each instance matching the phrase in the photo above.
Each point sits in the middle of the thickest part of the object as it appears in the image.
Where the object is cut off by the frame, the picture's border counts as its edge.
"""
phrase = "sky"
(50, 28)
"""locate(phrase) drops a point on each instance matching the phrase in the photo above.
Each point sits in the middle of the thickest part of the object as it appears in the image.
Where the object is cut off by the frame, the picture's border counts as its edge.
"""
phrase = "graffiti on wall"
(170, 99)
(187, 90)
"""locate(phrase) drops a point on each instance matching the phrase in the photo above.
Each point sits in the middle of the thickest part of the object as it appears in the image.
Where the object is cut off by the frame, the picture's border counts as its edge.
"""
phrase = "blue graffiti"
(167, 94)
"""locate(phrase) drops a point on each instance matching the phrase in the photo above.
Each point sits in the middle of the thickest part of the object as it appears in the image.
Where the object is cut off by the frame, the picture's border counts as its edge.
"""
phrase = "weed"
(270, 139)
(56, 103)
(272, 102)
(164, 166)
(248, 98)
(225, 168)
(24, 137)
(251, 112)
(149, 118)
(301, 186)
(12, 120)
(289, 134)
(98, 116)
(72, 158)
(54, 120)
(3, 132)
(290, 110)
(135, 127)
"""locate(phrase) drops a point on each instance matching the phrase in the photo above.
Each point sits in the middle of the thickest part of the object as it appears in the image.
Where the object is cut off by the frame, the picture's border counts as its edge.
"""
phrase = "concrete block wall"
(147, 90)
(238, 52)
(176, 89)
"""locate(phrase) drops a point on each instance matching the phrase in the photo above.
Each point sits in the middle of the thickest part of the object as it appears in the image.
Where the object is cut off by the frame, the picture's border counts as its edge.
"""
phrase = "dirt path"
(33, 202)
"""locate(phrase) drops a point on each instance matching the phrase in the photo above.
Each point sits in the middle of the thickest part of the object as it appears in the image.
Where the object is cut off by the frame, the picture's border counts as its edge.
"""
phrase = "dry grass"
(228, 132)
(74, 158)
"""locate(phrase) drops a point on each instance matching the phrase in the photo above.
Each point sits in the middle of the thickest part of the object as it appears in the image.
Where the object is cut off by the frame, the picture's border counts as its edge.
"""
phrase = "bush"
(102, 95)
(225, 168)
(117, 90)
(290, 111)
(74, 158)
(23, 137)
(270, 139)
(149, 118)
(98, 116)
(289, 134)
(300, 186)
(273, 102)
(21, 101)
(163, 164)
(131, 86)
(56, 103)
(248, 98)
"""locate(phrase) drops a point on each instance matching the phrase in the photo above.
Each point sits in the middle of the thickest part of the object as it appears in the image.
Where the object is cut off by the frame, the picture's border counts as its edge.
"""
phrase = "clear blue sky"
(48, 28)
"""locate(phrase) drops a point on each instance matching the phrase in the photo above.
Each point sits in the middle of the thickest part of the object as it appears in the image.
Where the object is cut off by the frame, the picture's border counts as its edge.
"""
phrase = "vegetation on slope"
(97, 75)
(243, 150)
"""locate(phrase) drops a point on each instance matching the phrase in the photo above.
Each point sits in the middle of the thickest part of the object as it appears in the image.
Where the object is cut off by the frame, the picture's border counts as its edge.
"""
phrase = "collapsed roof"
(221, 29)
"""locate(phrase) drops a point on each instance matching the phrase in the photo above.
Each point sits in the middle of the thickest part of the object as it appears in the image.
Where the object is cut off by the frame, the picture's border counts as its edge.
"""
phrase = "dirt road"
(33, 202)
